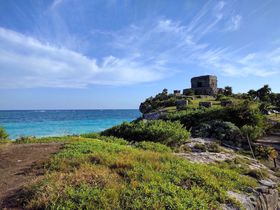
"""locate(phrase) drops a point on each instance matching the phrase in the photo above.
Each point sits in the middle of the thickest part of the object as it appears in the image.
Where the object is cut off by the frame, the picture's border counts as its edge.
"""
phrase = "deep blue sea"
(62, 122)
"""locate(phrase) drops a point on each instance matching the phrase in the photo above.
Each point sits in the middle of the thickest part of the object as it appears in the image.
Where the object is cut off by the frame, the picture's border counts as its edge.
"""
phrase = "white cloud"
(137, 53)
(56, 3)
(166, 25)
(220, 5)
(170, 43)
(234, 23)
(253, 64)
(26, 62)
(248, 58)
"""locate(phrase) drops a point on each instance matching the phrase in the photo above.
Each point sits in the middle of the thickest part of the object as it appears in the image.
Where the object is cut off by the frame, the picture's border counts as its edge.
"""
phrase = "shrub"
(3, 134)
(213, 147)
(222, 97)
(156, 147)
(26, 139)
(257, 173)
(111, 139)
(203, 130)
(200, 147)
(217, 129)
(262, 151)
(246, 113)
(189, 92)
(228, 91)
(184, 148)
(251, 132)
(165, 132)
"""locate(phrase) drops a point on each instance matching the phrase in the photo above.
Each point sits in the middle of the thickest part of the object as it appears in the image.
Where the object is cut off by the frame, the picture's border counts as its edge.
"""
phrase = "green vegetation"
(200, 147)
(94, 174)
(265, 94)
(213, 147)
(251, 132)
(156, 147)
(165, 132)
(217, 129)
(246, 113)
(3, 134)
(160, 101)
(31, 139)
(241, 165)
(110, 139)
(131, 166)
(228, 91)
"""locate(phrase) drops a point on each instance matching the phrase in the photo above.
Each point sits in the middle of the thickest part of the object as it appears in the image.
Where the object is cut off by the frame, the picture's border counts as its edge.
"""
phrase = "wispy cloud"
(26, 62)
(56, 3)
(234, 23)
(137, 53)
(172, 43)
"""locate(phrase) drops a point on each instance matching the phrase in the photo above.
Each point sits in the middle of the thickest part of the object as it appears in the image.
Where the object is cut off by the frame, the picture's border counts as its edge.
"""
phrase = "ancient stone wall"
(204, 85)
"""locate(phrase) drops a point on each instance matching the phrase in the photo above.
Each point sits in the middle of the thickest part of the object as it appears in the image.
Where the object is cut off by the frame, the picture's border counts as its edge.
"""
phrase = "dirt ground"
(19, 164)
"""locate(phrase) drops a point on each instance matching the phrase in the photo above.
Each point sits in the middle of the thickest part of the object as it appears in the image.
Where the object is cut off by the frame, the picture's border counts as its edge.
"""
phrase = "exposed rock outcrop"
(264, 197)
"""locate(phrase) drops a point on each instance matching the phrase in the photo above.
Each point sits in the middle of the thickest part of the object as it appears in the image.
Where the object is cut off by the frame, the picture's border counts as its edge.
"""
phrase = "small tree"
(273, 154)
(264, 93)
(189, 92)
(228, 91)
(264, 107)
(251, 132)
(3, 134)
(164, 91)
(252, 94)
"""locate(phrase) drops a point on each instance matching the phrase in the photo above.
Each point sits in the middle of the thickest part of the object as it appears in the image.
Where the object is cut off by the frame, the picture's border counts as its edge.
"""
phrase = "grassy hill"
(98, 174)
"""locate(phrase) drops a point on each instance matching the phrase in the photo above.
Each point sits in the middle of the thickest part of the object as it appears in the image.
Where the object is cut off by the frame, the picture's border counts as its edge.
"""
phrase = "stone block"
(226, 103)
(206, 104)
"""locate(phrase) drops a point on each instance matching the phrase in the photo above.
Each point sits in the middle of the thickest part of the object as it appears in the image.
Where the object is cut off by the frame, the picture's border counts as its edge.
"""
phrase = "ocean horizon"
(59, 122)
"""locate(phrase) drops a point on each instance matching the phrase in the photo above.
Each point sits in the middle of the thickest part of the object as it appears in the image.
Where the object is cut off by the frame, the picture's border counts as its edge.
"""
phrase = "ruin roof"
(204, 77)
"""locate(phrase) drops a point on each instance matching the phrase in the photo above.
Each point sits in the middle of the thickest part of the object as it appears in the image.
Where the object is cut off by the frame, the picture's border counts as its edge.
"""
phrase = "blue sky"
(64, 54)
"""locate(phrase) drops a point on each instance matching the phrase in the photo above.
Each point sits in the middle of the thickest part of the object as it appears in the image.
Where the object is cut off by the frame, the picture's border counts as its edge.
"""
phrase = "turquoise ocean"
(62, 122)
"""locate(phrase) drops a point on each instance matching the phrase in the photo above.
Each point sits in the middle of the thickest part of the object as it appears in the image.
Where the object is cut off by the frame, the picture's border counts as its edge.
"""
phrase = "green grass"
(275, 117)
(6, 141)
(241, 166)
(93, 174)
(169, 109)
(32, 140)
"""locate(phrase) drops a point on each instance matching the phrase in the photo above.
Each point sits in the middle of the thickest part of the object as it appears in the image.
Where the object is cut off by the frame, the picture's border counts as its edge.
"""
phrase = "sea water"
(62, 122)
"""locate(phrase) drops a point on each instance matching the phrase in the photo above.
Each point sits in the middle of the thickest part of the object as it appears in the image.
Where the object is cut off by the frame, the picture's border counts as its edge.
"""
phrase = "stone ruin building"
(204, 85)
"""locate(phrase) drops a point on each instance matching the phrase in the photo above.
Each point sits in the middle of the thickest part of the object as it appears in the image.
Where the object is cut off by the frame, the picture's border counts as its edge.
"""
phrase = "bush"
(200, 147)
(241, 114)
(156, 147)
(184, 148)
(165, 132)
(203, 130)
(26, 139)
(3, 134)
(217, 129)
(251, 132)
(189, 92)
(222, 97)
(262, 151)
(213, 147)
(257, 173)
